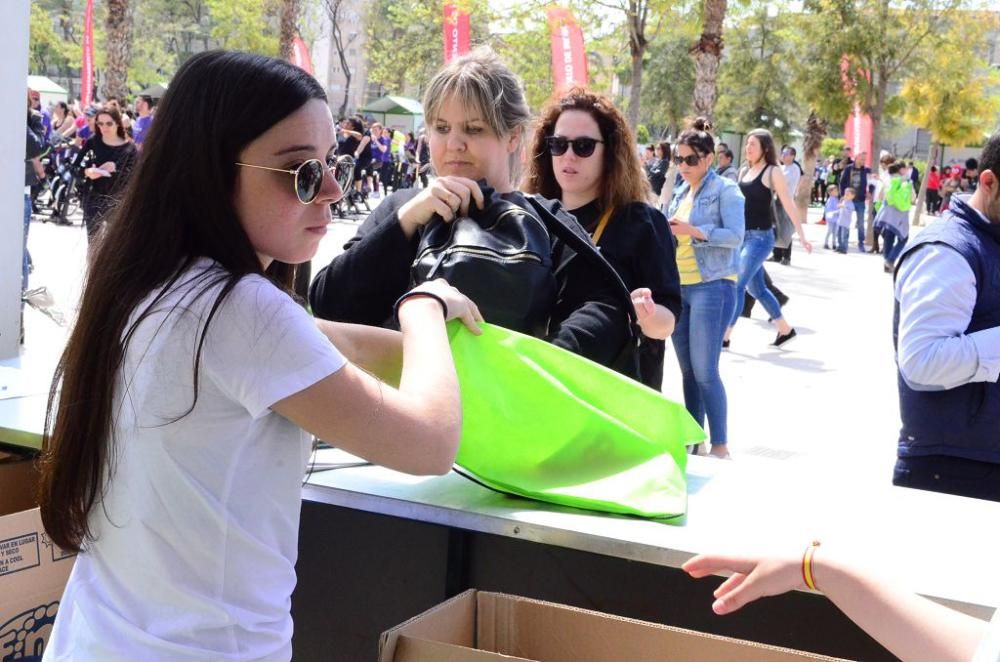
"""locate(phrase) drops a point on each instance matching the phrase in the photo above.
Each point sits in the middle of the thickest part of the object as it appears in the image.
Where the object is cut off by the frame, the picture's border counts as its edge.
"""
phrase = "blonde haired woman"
(477, 122)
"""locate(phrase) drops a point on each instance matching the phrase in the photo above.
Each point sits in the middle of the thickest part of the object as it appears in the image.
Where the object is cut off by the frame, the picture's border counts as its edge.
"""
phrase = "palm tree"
(707, 52)
(118, 45)
(289, 18)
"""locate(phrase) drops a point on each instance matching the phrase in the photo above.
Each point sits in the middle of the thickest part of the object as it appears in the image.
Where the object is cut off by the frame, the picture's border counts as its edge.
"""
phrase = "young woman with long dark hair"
(106, 159)
(706, 217)
(583, 154)
(176, 441)
(760, 180)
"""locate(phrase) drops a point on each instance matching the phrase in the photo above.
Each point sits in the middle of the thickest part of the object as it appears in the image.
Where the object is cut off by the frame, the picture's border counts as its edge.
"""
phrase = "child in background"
(830, 213)
(894, 218)
(844, 220)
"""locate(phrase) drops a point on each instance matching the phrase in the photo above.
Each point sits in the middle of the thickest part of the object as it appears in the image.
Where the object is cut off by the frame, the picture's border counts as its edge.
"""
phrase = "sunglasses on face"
(105, 124)
(308, 176)
(691, 159)
(582, 147)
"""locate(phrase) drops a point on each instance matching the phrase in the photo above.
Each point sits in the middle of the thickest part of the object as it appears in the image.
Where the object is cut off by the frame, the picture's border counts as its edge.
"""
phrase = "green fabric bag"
(543, 423)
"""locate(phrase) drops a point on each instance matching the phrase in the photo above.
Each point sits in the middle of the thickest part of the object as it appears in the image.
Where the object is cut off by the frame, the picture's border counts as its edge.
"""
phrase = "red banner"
(858, 127)
(858, 133)
(87, 68)
(569, 61)
(300, 55)
(456, 32)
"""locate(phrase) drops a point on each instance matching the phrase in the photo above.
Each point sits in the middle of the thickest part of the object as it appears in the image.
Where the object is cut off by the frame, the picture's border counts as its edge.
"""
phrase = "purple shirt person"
(144, 105)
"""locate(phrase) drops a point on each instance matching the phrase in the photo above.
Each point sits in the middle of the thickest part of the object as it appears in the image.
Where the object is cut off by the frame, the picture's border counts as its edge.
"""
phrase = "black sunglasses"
(691, 159)
(309, 176)
(582, 147)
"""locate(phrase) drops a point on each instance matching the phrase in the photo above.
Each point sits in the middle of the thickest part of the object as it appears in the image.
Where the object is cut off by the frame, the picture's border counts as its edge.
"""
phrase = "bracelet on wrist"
(807, 557)
(413, 294)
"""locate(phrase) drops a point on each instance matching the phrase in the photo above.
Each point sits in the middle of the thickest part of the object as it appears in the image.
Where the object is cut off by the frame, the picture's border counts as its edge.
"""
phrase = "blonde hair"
(480, 80)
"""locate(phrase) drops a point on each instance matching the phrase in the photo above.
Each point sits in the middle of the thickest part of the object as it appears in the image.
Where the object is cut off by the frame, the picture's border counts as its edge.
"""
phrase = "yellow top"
(687, 266)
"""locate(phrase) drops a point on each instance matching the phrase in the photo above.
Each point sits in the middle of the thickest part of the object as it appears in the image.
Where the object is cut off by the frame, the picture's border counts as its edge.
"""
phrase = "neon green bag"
(543, 423)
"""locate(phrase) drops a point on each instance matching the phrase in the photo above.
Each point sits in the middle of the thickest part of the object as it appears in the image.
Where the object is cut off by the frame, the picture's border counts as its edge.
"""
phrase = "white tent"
(48, 90)
(400, 113)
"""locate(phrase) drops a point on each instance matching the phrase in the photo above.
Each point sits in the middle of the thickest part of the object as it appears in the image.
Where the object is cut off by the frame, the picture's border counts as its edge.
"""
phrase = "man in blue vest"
(947, 333)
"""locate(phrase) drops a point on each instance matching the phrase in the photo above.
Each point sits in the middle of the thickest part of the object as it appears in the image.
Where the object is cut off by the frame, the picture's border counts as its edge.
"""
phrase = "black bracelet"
(417, 293)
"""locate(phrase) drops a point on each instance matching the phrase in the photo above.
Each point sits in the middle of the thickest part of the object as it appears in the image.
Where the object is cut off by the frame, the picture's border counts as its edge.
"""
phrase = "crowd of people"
(207, 341)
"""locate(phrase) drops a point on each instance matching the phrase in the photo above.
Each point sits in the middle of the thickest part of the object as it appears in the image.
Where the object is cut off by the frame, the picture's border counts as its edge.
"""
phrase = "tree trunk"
(289, 18)
(878, 108)
(707, 53)
(118, 25)
(635, 91)
(922, 195)
(333, 11)
(637, 48)
(816, 130)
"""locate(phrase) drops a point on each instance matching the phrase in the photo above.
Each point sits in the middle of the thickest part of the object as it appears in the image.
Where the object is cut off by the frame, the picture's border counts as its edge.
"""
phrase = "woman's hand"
(753, 577)
(642, 301)
(458, 305)
(448, 197)
(806, 244)
(681, 228)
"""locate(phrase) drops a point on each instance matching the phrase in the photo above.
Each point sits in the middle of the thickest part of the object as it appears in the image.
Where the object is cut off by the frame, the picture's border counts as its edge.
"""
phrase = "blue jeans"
(893, 246)
(843, 238)
(757, 245)
(697, 341)
(859, 209)
(25, 260)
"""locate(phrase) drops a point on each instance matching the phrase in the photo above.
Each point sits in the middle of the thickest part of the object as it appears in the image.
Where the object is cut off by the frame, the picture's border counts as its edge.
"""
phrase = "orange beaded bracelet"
(807, 557)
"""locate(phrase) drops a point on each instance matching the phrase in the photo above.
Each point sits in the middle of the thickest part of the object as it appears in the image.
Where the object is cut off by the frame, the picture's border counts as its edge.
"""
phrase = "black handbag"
(500, 257)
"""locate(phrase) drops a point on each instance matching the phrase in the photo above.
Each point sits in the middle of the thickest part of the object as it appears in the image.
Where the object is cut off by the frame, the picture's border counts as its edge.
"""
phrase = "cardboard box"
(478, 626)
(33, 571)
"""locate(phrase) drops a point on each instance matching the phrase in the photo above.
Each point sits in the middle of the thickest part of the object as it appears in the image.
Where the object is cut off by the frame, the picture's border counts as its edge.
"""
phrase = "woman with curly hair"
(583, 154)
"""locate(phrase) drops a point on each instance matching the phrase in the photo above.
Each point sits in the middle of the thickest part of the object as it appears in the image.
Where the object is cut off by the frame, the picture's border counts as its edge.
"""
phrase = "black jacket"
(34, 146)
(361, 284)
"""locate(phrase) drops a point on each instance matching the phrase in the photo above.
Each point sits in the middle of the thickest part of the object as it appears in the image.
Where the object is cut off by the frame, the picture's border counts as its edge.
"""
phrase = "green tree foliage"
(246, 25)
(668, 90)
(165, 34)
(47, 47)
(755, 89)
(956, 99)
(405, 44)
(832, 147)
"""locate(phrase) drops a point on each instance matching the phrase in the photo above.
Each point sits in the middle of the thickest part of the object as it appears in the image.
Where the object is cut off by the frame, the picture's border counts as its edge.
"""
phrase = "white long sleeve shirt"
(936, 290)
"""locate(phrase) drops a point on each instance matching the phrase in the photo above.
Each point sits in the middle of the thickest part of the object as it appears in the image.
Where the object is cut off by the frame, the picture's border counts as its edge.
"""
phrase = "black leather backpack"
(500, 257)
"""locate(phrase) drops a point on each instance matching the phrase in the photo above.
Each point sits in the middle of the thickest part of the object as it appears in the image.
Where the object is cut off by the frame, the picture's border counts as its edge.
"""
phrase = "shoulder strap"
(587, 251)
(603, 224)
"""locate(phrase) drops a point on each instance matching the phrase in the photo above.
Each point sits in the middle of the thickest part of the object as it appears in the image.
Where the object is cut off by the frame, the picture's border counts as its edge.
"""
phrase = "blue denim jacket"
(718, 211)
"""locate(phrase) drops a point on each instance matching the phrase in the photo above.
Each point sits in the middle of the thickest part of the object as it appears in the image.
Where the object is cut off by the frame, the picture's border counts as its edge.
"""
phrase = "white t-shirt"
(792, 176)
(197, 535)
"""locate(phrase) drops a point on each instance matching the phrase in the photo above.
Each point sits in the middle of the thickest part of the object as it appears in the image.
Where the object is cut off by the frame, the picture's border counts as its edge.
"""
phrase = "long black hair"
(177, 207)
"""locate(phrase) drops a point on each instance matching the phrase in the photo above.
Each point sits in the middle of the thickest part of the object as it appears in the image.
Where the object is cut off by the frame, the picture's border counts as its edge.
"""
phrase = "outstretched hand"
(753, 577)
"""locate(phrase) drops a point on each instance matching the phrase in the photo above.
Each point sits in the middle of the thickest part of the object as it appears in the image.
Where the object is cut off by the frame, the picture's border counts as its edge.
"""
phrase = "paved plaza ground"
(827, 403)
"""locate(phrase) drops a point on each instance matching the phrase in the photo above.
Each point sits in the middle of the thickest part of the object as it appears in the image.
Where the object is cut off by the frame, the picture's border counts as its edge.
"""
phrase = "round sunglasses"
(582, 147)
(308, 176)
